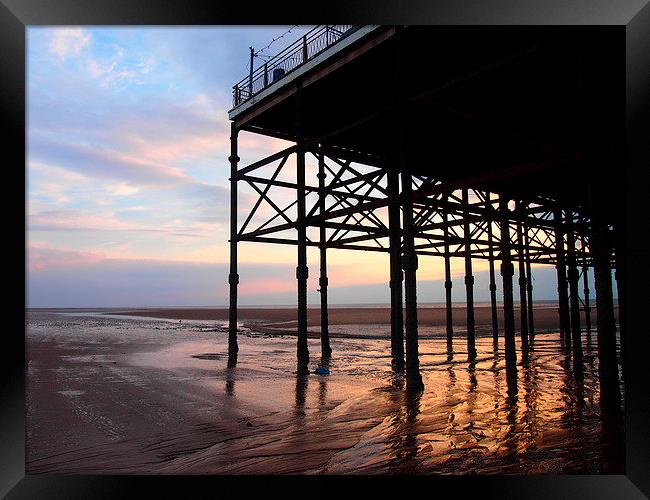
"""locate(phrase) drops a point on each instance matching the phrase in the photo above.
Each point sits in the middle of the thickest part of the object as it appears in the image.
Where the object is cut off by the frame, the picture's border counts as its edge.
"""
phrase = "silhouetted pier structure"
(424, 143)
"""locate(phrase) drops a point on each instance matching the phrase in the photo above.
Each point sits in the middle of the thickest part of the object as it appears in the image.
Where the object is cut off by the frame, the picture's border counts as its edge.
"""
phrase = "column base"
(414, 382)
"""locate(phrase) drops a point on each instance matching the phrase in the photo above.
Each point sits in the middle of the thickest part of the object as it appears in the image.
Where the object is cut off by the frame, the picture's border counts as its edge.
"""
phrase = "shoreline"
(113, 395)
(283, 320)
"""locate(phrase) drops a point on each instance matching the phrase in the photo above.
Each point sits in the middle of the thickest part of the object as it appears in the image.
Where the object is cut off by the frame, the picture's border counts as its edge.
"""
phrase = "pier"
(428, 145)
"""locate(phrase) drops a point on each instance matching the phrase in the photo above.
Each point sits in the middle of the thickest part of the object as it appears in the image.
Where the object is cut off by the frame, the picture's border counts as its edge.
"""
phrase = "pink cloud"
(66, 42)
(169, 151)
(76, 220)
(358, 273)
(266, 285)
(40, 258)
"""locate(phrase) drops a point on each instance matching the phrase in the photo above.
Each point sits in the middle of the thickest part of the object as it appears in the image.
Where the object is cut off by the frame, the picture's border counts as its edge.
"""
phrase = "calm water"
(359, 419)
(468, 420)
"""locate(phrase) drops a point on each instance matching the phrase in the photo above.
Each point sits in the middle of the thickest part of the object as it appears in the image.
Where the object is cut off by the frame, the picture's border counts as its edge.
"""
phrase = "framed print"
(406, 248)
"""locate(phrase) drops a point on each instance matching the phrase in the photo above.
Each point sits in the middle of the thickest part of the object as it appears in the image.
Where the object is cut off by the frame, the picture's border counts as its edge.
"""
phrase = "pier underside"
(498, 144)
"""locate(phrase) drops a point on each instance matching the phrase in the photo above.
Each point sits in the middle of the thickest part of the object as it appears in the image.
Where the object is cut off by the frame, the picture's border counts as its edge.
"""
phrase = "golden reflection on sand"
(169, 402)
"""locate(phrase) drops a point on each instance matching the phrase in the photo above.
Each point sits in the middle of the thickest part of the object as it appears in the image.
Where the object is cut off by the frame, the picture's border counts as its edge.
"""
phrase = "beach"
(149, 391)
(349, 321)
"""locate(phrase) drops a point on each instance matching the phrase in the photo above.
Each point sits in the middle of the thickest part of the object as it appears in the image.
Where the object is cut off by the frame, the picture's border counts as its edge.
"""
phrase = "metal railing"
(302, 50)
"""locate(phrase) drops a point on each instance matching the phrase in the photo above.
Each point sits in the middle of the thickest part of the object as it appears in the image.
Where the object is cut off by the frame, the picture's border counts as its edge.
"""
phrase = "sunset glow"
(127, 164)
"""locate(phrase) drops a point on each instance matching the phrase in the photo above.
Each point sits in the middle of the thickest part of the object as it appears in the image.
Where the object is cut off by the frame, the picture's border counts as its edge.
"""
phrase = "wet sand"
(431, 320)
(136, 395)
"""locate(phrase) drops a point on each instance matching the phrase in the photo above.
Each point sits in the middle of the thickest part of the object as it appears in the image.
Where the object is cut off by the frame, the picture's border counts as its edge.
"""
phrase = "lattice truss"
(335, 201)
(350, 199)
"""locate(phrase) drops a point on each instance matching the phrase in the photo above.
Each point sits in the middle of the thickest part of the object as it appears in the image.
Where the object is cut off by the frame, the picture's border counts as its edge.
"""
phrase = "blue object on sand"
(321, 371)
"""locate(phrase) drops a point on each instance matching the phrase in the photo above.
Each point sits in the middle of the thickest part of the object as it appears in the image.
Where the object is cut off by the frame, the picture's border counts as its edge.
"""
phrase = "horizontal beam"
(265, 161)
(426, 191)
(311, 189)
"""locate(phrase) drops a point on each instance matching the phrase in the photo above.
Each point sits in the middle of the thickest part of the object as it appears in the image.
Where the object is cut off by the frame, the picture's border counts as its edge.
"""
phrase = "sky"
(127, 177)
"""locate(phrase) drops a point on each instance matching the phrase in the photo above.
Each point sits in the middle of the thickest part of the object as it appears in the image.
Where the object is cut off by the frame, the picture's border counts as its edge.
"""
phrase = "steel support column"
(507, 272)
(523, 307)
(493, 285)
(529, 288)
(586, 291)
(448, 282)
(563, 298)
(302, 272)
(410, 266)
(396, 276)
(573, 277)
(233, 277)
(605, 320)
(469, 280)
(619, 274)
(326, 350)
(409, 258)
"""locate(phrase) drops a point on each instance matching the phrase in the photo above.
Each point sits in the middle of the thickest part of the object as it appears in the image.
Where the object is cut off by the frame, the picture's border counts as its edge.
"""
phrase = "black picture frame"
(633, 16)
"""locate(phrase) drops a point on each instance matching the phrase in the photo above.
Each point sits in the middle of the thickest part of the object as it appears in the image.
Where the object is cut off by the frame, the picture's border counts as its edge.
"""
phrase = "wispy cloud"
(67, 278)
(113, 69)
(69, 42)
(128, 140)
(81, 220)
(40, 257)
(103, 163)
(122, 189)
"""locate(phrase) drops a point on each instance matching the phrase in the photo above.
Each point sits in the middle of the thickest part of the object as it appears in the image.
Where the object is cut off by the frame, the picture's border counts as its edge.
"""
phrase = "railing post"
(250, 75)
(266, 75)
(304, 48)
